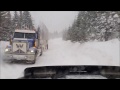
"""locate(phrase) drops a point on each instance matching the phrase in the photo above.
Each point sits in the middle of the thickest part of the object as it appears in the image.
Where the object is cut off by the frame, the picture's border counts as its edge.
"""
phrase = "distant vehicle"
(25, 45)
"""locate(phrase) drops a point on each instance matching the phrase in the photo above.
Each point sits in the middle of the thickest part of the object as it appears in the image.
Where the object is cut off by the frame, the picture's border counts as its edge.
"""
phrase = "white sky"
(54, 20)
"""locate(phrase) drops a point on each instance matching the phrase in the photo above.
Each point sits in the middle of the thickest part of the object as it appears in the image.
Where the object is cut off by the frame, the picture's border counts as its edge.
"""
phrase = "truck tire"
(34, 61)
(31, 62)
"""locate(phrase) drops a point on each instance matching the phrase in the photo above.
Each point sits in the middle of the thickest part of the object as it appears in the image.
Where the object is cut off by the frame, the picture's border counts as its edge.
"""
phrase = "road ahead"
(66, 53)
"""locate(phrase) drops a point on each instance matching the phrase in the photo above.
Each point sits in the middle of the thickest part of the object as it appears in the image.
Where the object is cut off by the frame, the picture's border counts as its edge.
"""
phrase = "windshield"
(30, 35)
(18, 35)
(75, 42)
(25, 35)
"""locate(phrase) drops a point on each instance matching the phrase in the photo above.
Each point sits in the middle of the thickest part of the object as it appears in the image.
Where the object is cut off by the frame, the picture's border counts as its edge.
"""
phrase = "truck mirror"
(10, 39)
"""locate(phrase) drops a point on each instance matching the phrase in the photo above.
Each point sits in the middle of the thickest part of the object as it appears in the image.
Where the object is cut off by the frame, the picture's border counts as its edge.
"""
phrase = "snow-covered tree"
(3, 17)
(107, 24)
(27, 20)
(16, 21)
(91, 25)
(5, 24)
(21, 19)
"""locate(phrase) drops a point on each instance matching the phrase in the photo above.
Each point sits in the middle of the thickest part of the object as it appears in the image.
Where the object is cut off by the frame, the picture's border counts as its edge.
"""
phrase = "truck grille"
(19, 47)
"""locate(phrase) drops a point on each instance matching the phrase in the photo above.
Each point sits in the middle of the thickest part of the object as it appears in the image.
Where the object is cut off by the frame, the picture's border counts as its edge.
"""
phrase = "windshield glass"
(18, 35)
(59, 43)
(30, 35)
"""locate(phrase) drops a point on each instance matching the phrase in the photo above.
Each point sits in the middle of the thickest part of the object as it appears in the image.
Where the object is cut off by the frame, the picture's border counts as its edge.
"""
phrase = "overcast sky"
(54, 20)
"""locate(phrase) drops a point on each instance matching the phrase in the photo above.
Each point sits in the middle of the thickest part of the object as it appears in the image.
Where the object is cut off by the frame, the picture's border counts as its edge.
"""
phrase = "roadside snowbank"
(89, 53)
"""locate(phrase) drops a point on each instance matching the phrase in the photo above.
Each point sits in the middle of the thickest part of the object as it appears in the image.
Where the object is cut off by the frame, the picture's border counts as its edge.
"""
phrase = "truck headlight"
(32, 51)
(7, 50)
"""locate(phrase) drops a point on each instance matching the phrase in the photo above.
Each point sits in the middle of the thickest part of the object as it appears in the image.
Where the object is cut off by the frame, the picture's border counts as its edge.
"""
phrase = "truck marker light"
(35, 44)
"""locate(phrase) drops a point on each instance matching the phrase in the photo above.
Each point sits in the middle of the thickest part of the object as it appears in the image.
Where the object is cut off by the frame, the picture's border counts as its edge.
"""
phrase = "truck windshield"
(18, 35)
(30, 35)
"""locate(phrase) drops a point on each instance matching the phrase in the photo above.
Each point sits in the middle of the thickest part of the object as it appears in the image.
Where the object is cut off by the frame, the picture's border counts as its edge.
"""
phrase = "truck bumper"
(14, 57)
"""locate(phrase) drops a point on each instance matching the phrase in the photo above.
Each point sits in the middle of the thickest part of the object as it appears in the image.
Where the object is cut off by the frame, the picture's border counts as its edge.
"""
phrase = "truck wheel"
(33, 62)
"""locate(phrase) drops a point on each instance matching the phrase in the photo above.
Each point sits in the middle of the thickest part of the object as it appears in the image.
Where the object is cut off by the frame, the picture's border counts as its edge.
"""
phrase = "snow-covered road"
(67, 53)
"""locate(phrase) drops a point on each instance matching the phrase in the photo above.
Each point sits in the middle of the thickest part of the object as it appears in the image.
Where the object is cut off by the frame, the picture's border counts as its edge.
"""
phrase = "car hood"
(62, 72)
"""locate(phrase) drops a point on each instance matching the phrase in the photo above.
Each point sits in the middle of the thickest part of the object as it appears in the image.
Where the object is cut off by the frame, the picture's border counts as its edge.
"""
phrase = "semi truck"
(26, 45)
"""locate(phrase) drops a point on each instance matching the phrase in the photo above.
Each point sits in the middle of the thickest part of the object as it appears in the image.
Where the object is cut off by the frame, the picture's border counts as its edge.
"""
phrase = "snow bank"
(96, 53)
(90, 53)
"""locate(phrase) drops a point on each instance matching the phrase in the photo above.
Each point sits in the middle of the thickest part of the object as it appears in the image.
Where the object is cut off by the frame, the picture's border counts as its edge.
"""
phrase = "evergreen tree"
(2, 22)
(91, 25)
(5, 24)
(16, 21)
(3, 18)
(27, 20)
(21, 20)
(8, 20)
(108, 24)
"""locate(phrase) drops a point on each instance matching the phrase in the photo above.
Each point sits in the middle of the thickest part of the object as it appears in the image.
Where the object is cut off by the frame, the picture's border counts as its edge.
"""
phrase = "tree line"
(8, 24)
(94, 25)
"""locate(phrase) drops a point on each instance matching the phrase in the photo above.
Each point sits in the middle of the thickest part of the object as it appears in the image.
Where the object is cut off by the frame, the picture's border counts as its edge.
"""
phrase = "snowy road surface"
(66, 53)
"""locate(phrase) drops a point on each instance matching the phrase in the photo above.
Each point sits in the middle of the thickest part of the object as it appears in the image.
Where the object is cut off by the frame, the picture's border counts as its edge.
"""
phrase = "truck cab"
(24, 46)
